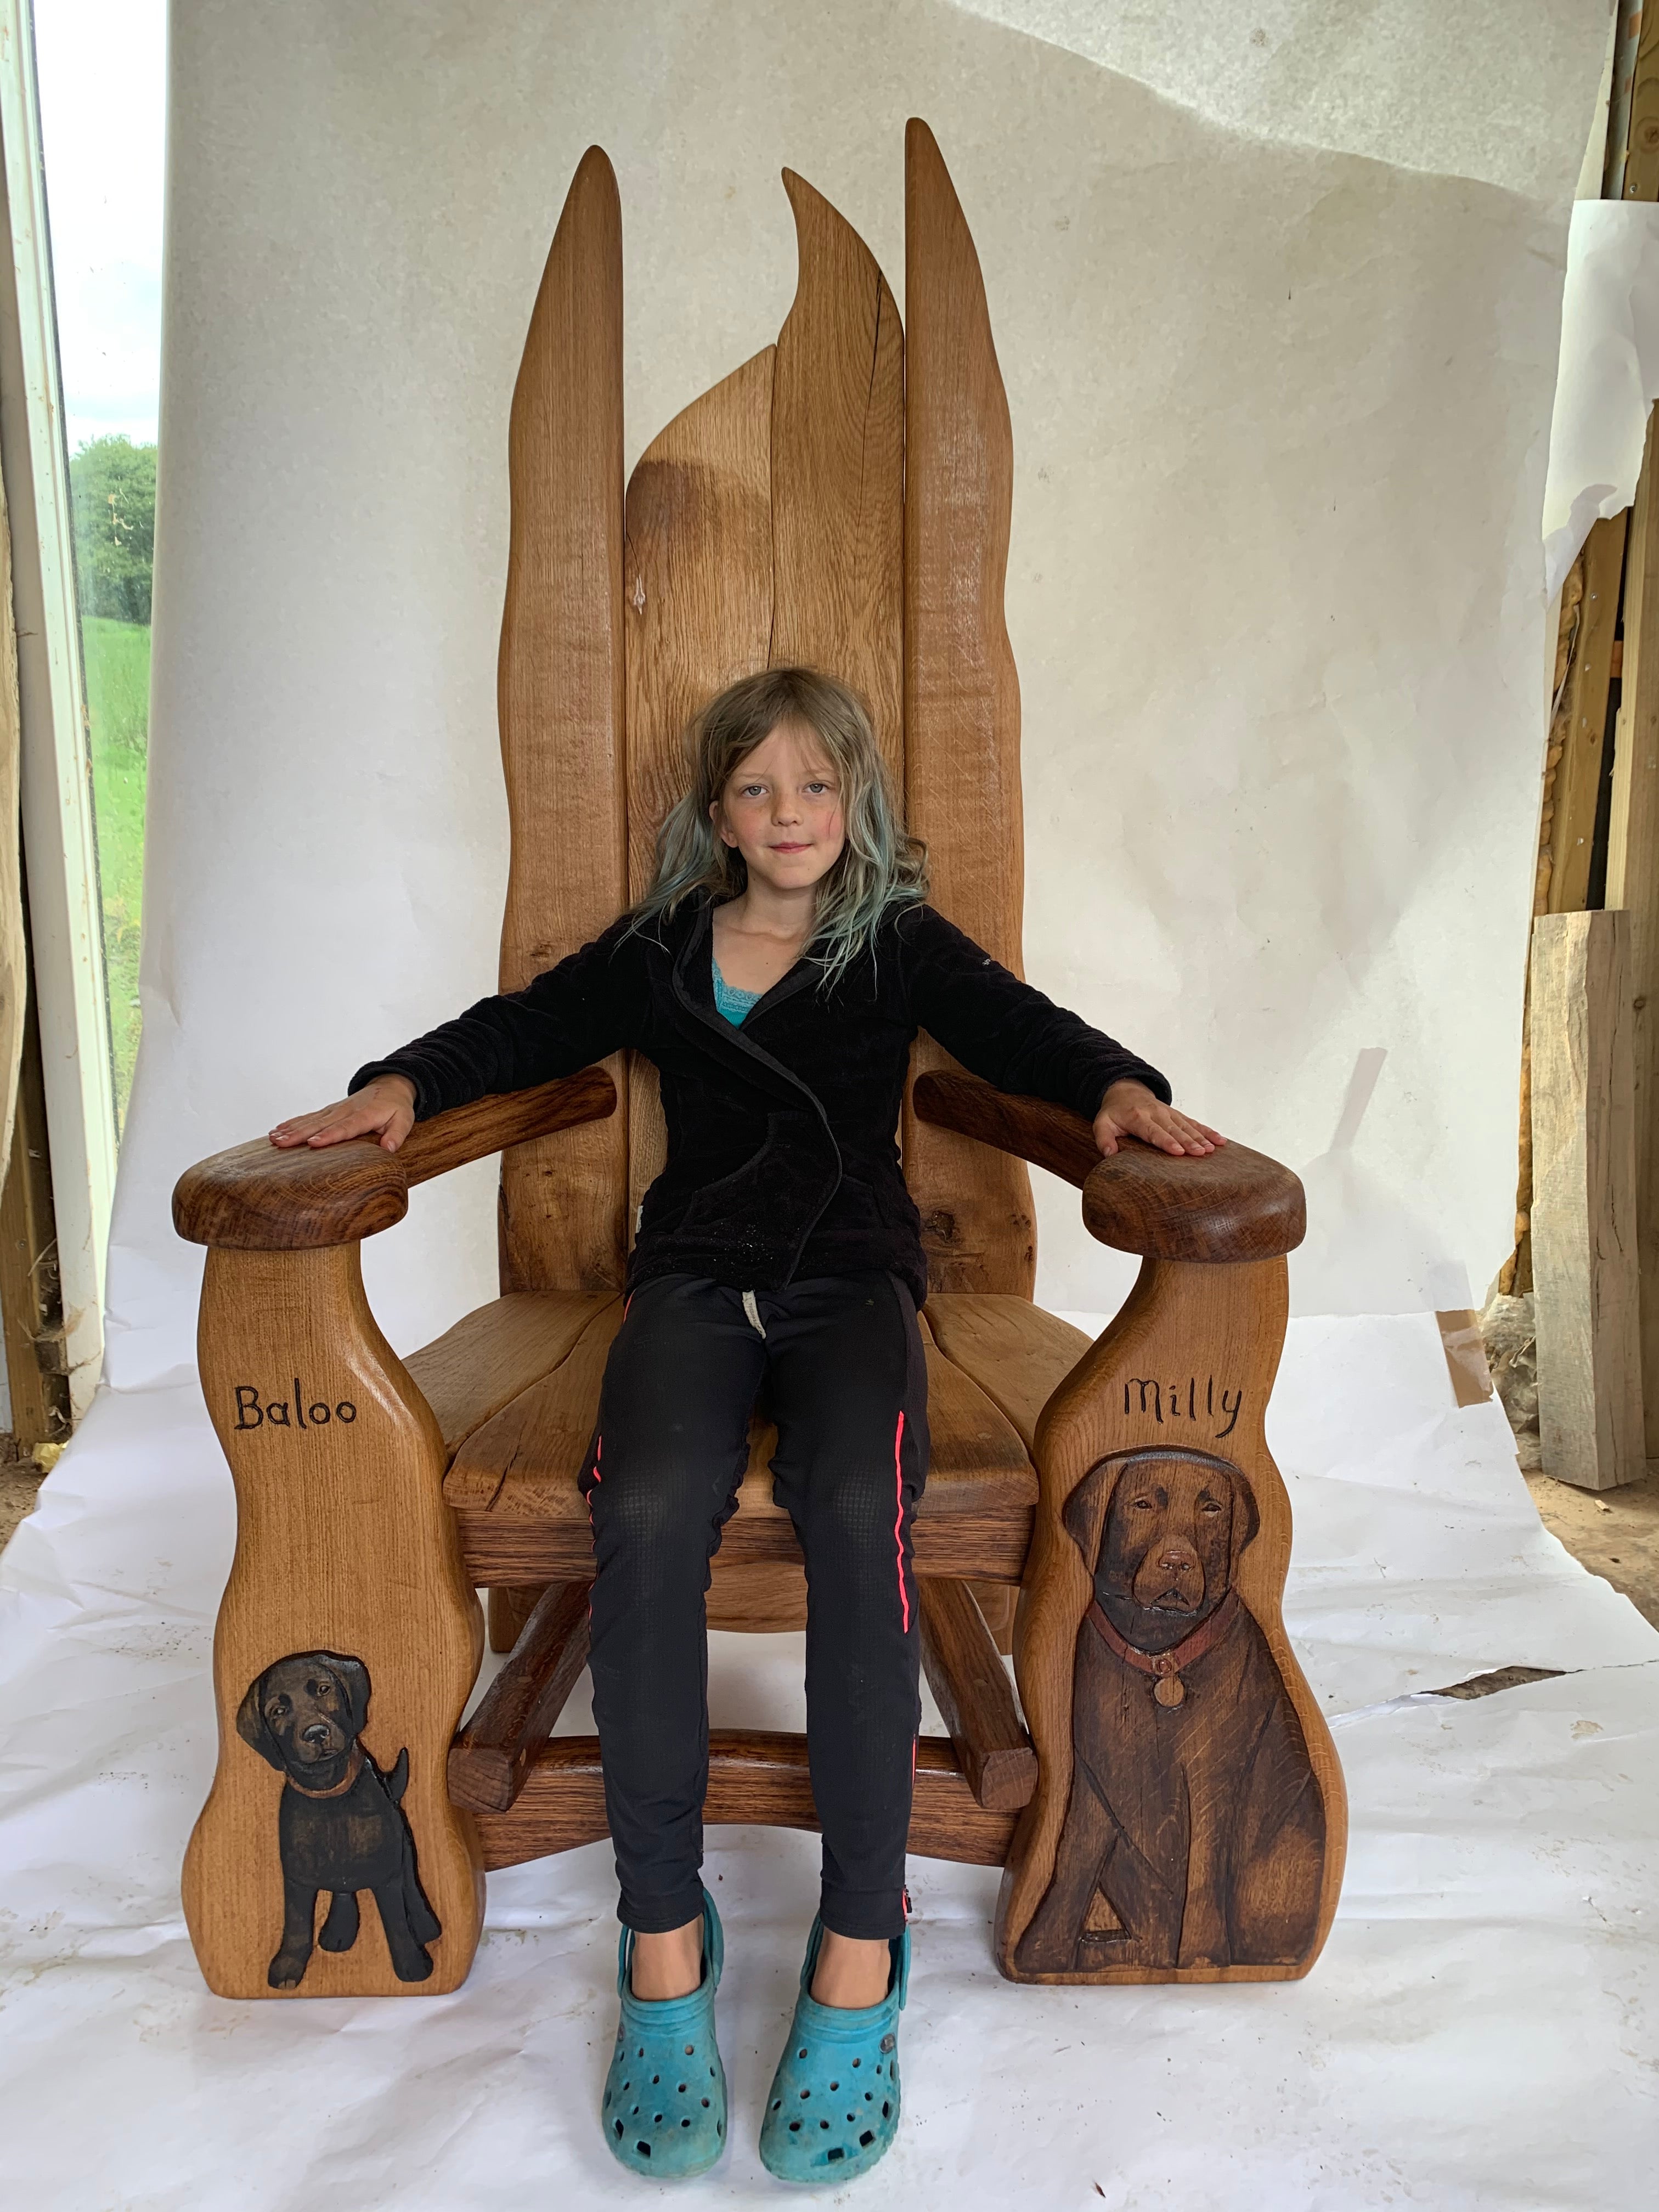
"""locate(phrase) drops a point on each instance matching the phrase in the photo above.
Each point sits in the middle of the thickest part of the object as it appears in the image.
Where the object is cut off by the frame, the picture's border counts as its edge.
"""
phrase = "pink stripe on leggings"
(898, 1517)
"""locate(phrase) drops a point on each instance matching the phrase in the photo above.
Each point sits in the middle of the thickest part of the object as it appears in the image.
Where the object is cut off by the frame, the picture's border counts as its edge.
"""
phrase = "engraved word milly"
(1185, 1402)
(273, 1412)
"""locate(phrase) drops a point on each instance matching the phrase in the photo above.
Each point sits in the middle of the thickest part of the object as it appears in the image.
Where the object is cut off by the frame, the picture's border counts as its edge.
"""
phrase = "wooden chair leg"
(1189, 1820)
(489, 1759)
(347, 1639)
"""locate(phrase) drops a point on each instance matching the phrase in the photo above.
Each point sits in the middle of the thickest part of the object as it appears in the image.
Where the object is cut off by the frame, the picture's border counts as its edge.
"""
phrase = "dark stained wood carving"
(961, 694)
(255, 1199)
(560, 694)
(1189, 1820)
(754, 1777)
(1233, 1204)
(1195, 1833)
(974, 1696)
(341, 1825)
(490, 1757)
(838, 471)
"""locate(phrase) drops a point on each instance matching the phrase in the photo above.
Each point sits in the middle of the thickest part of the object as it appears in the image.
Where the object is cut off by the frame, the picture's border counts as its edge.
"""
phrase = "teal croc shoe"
(833, 2108)
(665, 2096)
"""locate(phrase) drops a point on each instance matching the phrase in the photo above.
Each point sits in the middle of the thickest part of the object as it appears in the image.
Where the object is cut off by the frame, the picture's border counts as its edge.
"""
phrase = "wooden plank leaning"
(1585, 1264)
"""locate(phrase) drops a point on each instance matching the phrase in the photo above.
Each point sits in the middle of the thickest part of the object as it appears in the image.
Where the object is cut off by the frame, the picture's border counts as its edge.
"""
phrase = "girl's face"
(782, 809)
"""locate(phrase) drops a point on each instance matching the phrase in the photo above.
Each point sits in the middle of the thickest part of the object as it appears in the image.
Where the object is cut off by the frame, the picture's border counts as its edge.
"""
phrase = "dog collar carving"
(1165, 1667)
(339, 1789)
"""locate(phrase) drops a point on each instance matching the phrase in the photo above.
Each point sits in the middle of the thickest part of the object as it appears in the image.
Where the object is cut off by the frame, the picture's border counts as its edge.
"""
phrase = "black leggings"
(839, 1369)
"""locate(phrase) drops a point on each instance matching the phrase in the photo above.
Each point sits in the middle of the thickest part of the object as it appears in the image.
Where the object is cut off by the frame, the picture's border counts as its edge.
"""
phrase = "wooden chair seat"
(515, 1387)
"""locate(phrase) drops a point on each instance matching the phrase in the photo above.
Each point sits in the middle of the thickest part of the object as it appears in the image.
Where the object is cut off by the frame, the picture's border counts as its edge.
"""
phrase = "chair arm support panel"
(254, 1198)
(1229, 1206)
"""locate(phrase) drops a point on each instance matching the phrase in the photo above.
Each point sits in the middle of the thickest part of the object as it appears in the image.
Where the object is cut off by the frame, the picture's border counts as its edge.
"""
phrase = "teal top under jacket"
(730, 1002)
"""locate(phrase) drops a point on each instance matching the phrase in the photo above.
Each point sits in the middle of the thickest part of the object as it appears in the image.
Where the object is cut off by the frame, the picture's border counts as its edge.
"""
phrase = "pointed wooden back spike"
(698, 615)
(838, 471)
(961, 694)
(560, 692)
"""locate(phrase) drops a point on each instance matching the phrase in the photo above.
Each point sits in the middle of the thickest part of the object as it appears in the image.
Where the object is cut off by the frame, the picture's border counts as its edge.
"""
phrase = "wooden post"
(1633, 886)
(1584, 1257)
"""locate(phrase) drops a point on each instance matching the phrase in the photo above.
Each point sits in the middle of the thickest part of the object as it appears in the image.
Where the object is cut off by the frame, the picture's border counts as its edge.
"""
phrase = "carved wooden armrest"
(1232, 1205)
(254, 1198)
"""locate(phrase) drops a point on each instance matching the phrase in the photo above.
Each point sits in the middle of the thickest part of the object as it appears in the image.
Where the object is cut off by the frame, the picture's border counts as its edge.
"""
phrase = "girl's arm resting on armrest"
(1011, 1034)
(569, 1016)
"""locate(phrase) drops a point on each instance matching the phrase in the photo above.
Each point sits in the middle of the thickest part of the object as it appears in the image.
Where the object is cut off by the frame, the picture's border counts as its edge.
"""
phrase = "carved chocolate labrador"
(340, 1826)
(1195, 1831)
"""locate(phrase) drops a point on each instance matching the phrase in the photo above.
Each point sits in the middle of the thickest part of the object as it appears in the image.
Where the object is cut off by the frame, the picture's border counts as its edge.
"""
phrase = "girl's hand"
(384, 1108)
(1129, 1109)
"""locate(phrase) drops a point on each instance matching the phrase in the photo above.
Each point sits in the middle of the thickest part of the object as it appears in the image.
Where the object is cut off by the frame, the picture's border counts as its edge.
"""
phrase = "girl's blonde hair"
(880, 866)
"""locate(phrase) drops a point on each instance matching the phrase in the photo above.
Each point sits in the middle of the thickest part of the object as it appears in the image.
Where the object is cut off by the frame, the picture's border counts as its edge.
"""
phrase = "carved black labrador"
(341, 1825)
(1195, 1831)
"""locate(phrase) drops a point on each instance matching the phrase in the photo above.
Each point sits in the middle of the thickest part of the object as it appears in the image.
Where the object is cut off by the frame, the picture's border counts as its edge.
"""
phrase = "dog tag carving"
(1170, 1690)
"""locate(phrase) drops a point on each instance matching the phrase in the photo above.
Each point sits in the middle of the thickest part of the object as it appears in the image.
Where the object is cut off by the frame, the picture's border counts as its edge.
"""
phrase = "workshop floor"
(1614, 1533)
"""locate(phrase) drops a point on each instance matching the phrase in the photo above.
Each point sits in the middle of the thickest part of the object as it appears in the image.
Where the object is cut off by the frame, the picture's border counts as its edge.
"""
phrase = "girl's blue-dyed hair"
(881, 866)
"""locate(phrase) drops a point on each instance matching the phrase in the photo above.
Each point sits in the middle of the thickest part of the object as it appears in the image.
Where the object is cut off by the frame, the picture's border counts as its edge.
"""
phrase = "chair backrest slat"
(838, 471)
(697, 599)
(560, 706)
(961, 696)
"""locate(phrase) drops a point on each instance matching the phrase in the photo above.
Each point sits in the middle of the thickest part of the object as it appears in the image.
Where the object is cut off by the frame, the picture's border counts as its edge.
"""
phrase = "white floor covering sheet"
(1479, 2031)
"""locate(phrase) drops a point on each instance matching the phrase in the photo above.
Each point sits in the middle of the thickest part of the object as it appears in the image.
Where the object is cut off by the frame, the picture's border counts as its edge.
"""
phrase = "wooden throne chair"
(842, 499)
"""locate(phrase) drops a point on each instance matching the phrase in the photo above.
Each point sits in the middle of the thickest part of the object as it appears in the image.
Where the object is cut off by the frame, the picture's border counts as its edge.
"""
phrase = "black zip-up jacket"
(783, 1161)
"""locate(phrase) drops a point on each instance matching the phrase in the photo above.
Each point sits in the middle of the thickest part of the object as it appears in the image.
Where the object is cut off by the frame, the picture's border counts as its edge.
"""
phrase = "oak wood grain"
(560, 682)
(961, 696)
(1017, 1354)
(343, 1547)
(1231, 1205)
(253, 1198)
(697, 615)
(470, 1372)
(764, 1598)
(754, 1777)
(513, 1485)
(974, 1696)
(838, 471)
(490, 1757)
(1188, 1362)
(504, 1550)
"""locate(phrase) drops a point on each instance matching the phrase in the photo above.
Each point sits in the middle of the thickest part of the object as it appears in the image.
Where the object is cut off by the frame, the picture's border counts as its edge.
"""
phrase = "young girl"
(775, 973)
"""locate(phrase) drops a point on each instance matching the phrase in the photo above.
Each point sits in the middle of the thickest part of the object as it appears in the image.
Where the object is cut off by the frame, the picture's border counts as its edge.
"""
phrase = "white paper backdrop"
(1280, 416)
(1278, 325)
